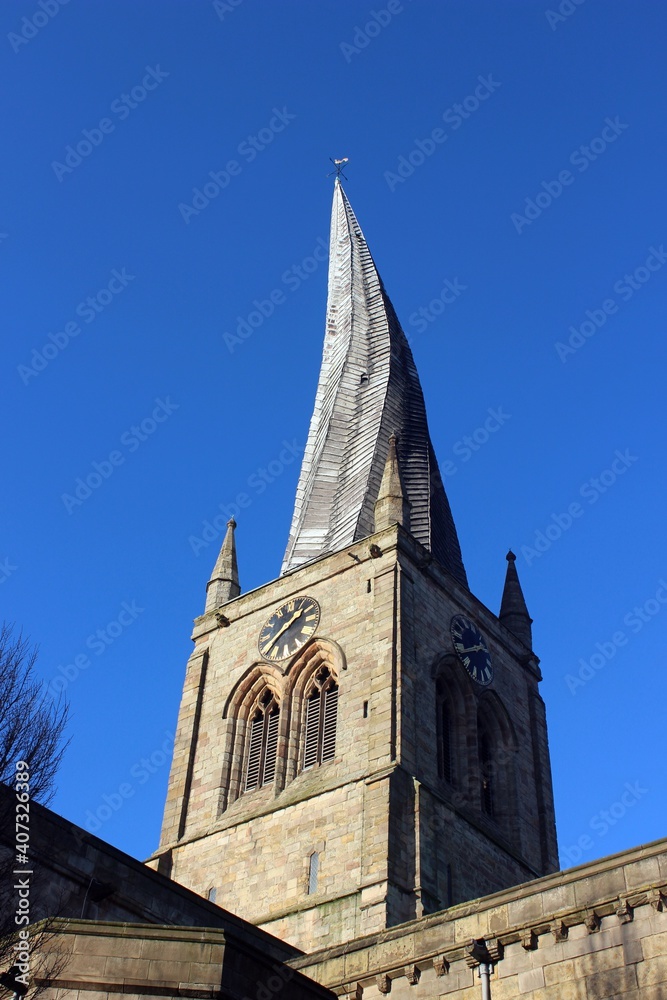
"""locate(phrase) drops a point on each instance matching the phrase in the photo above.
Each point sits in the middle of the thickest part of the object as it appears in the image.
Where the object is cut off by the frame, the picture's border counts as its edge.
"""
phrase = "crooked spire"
(368, 389)
(513, 611)
(391, 507)
(224, 583)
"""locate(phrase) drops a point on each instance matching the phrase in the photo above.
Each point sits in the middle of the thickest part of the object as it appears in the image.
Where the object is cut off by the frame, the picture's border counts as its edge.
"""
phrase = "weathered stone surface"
(582, 966)
(410, 843)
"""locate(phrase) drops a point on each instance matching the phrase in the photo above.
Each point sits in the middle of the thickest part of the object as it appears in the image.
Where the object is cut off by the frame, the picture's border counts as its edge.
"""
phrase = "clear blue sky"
(568, 127)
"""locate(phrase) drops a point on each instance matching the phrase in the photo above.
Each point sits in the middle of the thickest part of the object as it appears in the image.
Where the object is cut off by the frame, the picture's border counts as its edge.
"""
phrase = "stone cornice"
(453, 928)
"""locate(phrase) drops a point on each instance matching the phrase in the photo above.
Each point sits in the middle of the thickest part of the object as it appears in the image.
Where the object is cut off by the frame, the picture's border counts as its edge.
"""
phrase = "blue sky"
(539, 199)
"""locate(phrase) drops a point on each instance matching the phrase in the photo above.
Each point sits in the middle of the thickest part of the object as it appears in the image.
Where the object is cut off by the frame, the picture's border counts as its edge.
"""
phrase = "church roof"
(368, 390)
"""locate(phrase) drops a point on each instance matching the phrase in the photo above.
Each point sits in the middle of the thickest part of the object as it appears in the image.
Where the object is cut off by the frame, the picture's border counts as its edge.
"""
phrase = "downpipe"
(485, 975)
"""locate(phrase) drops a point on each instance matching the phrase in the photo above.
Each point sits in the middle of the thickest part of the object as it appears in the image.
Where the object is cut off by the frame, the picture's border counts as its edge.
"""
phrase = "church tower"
(360, 741)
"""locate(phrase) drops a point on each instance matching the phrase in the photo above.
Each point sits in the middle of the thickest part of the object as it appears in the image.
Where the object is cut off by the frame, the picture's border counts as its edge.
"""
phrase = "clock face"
(289, 628)
(471, 649)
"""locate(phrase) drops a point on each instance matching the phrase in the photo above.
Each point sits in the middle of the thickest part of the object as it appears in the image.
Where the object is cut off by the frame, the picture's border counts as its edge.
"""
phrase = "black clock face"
(471, 649)
(289, 628)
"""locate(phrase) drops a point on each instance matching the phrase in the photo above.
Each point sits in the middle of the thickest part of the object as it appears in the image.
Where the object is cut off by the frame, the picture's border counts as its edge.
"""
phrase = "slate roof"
(368, 389)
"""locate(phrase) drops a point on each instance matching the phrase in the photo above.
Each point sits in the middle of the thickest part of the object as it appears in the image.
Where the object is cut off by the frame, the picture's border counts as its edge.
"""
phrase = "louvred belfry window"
(262, 743)
(321, 720)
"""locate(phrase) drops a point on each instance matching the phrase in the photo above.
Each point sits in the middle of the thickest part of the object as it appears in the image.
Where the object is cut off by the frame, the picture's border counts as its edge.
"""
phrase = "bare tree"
(31, 724)
(31, 733)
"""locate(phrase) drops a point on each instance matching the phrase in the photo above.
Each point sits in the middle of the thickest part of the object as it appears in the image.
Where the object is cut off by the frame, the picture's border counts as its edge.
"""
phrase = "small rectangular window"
(313, 872)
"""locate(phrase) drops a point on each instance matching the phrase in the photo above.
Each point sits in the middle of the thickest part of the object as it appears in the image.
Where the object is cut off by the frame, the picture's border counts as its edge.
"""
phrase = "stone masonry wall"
(464, 853)
(394, 840)
(597, 932)
(254, 849)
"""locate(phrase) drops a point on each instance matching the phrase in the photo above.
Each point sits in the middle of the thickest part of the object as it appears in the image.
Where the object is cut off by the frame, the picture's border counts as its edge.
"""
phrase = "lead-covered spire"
(368, 389)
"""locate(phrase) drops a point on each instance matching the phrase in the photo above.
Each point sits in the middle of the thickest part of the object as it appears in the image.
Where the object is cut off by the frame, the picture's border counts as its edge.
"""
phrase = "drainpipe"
(485, 970)
(478, 957)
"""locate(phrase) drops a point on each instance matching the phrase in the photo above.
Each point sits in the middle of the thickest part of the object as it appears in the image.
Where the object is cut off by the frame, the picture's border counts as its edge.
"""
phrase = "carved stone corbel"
(656, 899)
(529, 939)
(441, 966)
(559, 930)
(495, 949)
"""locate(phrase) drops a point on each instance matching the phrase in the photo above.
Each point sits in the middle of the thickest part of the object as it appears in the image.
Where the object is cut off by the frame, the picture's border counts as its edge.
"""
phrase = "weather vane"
(338, 164)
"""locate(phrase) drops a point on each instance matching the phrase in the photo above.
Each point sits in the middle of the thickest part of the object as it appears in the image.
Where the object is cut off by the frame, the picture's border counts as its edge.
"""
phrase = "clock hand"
(472, 649)
(285, 627)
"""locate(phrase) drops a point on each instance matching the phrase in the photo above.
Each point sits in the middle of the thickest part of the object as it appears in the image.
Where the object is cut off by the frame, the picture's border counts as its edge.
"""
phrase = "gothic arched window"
(262, 748)
(319, 744)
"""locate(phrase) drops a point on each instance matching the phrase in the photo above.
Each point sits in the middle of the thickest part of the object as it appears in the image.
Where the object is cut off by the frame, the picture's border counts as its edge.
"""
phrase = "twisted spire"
(368, 388)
